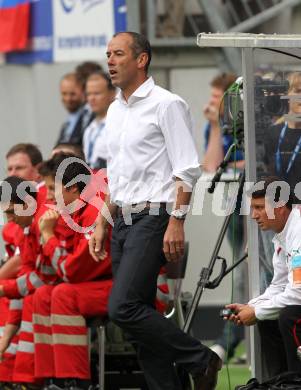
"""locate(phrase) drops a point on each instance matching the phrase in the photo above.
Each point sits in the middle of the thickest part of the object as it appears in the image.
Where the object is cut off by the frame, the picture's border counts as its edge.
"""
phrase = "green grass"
(239, 375)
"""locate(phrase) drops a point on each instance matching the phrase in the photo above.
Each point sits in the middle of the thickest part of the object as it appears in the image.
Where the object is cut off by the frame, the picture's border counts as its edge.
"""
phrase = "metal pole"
(250, 158)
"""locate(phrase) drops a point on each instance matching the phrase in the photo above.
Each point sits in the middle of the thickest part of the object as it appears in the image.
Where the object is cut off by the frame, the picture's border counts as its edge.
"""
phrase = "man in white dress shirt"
(277, 311)
(152, 167)
(100, 93)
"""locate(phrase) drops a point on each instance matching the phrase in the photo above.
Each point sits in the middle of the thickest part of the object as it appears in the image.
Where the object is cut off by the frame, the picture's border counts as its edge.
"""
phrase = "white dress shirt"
(149, 143)
(283, 290)
(94, 144)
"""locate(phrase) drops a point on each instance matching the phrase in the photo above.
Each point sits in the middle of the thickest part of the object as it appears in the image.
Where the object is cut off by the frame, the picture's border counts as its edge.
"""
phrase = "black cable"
(280, 52)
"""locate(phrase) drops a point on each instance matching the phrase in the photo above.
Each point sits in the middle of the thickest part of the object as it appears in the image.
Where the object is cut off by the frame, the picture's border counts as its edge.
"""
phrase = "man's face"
(99, 96)
(65, 195)
(216, 97)
(19, 164)
(260, 212)
(58, 194)
(123, 66)
(295, 105)
(49, 183)
(72, 95)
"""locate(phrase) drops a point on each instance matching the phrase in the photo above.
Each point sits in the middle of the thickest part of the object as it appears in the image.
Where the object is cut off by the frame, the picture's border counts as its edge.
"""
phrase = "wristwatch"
(179, 214)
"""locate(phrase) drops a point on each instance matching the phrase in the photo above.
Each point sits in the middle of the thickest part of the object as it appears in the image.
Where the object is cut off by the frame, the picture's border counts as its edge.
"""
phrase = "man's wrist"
(102, 222)
(174, 221)
(46, 235)
(2, 294)
(180, 213)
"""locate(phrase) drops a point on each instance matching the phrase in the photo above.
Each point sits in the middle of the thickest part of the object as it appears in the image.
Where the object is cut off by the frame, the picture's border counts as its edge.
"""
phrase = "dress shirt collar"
(141, 92)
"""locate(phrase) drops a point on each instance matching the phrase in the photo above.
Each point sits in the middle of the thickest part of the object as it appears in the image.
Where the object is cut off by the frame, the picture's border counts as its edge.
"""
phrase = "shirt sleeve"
(177, 127)
(23, 285)
(282, 291)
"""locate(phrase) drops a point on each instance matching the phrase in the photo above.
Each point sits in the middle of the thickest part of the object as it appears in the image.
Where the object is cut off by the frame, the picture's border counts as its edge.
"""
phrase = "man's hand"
(47, 223)
(247, 316)
(211, 113)
(4, 343)
(244, 314)
(235, 308)
(173, 242)
(97, 242)
(48, 220)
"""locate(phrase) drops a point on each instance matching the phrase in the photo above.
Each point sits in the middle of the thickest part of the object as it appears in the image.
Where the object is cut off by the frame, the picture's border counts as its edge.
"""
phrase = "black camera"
(270, 102)
(269, 97)
(226, 312)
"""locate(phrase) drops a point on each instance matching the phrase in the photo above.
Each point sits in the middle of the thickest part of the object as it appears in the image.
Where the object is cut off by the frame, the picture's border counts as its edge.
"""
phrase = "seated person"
(60, 312)
(277, 311)
(22, 160)
(21, 210)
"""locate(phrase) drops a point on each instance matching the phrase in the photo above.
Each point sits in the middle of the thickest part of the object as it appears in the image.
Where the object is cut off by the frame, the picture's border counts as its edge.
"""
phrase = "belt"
(139, 207)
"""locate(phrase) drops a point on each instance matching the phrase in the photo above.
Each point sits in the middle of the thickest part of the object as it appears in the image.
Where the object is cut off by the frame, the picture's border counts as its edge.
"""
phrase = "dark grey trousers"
(137, 257)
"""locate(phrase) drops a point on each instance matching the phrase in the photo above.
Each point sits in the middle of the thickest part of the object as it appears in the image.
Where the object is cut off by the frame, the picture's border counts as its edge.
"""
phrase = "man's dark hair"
(83, 71)
(103, 75)
(262, 193)
(31, 150)
(17, 186)
(73, 149)
(73, 169)
(223, 81)
(139, 45)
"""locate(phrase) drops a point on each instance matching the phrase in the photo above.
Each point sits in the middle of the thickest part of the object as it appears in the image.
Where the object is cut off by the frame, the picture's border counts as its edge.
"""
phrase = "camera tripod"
(206, 272)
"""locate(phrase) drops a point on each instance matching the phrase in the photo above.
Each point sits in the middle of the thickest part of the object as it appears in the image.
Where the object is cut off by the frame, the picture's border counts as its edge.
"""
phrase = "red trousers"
(7, 365)
(60, 332)
(24, 363)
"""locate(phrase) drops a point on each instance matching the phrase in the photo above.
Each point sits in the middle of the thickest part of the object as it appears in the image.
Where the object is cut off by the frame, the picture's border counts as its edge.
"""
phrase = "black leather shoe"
(208, 379)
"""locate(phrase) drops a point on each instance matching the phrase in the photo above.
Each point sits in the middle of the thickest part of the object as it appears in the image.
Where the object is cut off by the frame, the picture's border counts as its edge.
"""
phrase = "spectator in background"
(23, 160)
(217, 145)
(79, 116)
(85, 69)
(100, 94)
(283, 140)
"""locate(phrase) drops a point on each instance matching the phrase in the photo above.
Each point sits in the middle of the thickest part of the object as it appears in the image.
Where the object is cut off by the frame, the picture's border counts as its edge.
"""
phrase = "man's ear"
(72, 189)
(142, 60)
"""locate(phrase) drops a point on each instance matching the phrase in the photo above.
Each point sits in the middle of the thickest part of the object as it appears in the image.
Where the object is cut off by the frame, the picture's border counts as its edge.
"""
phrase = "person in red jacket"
(18, 199)
(60, 312)
(22, 160)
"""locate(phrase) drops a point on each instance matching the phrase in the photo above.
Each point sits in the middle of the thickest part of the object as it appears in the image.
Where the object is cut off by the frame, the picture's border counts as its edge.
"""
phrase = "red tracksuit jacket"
(68, 252)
